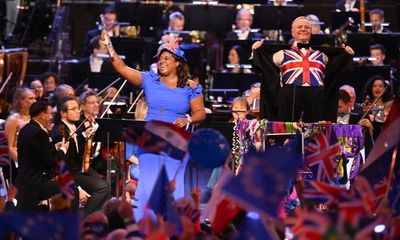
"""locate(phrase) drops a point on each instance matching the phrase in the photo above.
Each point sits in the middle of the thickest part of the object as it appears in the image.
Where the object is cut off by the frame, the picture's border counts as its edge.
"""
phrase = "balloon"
(208, 148)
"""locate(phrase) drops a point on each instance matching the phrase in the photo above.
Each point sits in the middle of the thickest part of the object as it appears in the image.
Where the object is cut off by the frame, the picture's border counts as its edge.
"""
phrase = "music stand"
(194, 54)
(276, 17)
(360, 75)
(110, 131)
(240, 81)
(145, 15)
(209, 18)
(244, 44)
(322, 39)
(339, 18)
(360, 43)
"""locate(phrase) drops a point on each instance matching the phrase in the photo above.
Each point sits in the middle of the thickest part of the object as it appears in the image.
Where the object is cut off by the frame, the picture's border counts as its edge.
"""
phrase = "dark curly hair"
(368, 88)
(183, 72)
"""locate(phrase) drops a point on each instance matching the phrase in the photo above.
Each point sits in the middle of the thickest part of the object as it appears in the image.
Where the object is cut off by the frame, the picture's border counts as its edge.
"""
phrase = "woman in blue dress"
(170, 96)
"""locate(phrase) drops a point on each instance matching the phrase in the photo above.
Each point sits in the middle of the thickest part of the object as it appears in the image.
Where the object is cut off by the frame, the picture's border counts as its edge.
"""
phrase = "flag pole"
(390, 177)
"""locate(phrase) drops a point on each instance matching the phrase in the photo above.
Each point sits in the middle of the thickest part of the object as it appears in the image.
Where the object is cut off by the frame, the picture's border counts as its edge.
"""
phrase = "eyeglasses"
(73, 109)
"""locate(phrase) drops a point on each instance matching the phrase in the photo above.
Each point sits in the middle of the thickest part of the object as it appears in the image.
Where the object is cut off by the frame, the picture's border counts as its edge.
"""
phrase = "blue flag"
(41, 225)
(263, 181)
(253, 228)
(162, 201)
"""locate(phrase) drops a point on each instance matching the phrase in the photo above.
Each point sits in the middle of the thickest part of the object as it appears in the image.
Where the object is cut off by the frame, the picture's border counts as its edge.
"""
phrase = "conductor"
(299, 80)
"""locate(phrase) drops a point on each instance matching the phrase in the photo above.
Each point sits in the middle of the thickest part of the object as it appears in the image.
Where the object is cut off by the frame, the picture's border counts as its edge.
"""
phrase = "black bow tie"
(301, 45)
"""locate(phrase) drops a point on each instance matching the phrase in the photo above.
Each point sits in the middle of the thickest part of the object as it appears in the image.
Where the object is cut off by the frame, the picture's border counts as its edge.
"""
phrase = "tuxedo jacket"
(36, 154)
(74, 156)
(89, 35)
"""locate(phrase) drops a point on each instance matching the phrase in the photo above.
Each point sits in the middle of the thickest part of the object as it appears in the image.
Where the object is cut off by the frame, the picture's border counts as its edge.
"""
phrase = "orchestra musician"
(296, 90)
(37, 158)
(23, 98)
(93, 190)
(244, 20)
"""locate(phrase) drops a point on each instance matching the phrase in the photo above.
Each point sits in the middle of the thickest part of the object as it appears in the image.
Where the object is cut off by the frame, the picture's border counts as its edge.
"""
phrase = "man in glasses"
(93, 191)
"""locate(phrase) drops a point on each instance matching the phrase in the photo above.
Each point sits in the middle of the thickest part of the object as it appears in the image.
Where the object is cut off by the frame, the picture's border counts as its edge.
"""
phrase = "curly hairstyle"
(368, 88)
(183, 72)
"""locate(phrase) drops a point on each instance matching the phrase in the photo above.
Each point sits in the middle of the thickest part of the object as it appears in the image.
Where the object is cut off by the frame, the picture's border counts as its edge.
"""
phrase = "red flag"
(225, 213)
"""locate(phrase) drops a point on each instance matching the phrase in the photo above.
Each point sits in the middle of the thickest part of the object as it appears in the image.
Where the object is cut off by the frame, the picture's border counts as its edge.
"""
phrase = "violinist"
(376, 96)
(93, 191)
(89, 104)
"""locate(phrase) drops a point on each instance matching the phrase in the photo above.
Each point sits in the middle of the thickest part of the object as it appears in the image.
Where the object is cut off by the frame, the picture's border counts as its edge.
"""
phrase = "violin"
(88, 147)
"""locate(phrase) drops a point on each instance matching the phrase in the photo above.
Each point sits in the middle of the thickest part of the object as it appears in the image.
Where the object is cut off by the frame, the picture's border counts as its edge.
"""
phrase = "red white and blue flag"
(322, 153)
(65, 180)
(303, 69)
(159, 136)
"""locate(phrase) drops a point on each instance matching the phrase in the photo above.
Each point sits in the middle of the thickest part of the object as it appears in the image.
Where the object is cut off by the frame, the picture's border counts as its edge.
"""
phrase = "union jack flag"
(303, 69)
(65, 180)
(332, 195)
(323, 154)
(309, 224)
(371, 197)
(172, 46)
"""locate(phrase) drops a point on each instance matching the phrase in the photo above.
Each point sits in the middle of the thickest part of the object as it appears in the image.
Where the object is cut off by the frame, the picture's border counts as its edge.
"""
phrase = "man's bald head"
(301, 29)
(304, 18)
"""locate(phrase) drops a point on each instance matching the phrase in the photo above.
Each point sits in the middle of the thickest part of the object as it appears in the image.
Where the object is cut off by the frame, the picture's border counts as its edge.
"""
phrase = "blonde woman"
(22, 100)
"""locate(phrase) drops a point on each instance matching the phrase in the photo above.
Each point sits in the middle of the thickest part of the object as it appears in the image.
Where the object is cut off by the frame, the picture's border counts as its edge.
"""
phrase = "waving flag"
(322, 154)
(65, 180)
(330, 194)
(41, 225)
(162, 201)
(264, 179)
(159, 136)
(309, 225)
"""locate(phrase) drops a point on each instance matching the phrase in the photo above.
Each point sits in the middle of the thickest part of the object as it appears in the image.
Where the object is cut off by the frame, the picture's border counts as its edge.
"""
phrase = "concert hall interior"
(208, 119)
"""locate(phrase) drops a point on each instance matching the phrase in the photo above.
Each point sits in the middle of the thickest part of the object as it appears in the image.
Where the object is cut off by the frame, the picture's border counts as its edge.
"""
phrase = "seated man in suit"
(377, 17)
(345, 113)
(378, 51)
(37, 159)
(93, 191)
(244, 20)
(113, 29)
(176, 24)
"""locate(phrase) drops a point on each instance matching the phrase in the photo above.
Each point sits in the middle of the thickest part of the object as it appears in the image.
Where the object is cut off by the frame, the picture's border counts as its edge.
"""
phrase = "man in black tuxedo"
(113, 29)
(347, 115)
(377, 17)
(244, 20)
(291, 88)
(93, 191)
(37, 159)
